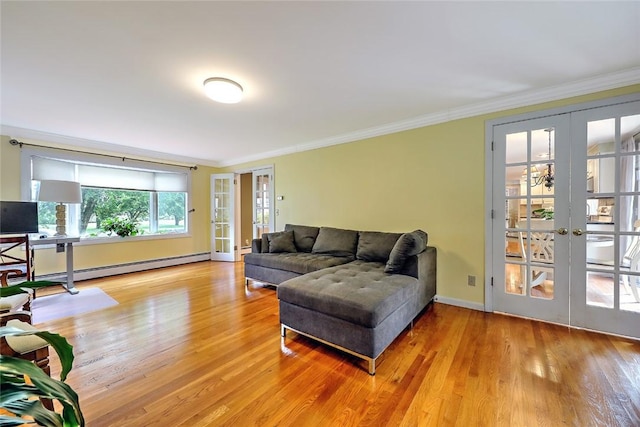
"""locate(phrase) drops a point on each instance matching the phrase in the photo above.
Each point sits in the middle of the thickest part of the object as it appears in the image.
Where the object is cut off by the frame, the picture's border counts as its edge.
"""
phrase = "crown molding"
(71, 142)
(521, 99)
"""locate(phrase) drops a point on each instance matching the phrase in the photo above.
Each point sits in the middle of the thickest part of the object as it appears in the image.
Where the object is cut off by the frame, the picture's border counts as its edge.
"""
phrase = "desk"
(62, 243)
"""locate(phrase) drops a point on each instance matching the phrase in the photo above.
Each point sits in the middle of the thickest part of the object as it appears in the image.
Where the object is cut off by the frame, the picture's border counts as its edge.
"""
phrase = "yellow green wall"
(431, 178)
(107, 254)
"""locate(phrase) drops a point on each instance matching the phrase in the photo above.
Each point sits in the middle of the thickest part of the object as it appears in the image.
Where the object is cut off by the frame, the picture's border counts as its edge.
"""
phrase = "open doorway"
(255, 201)
(242, 210)
(246, 212)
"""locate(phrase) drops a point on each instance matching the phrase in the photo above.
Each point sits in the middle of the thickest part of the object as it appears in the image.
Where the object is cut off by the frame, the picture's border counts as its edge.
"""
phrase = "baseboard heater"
(114, 270)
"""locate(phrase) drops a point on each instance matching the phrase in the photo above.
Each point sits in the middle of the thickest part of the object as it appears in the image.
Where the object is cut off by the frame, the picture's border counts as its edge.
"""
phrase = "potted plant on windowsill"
(123, 227)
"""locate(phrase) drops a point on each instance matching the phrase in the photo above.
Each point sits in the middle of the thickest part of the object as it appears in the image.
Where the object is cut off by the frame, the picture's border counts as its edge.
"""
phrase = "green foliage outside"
(172, 205)
(47, 213)
(107, 210)
(105, 204)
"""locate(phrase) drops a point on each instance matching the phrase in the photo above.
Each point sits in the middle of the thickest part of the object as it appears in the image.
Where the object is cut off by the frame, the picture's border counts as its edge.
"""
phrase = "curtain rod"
(16, 142)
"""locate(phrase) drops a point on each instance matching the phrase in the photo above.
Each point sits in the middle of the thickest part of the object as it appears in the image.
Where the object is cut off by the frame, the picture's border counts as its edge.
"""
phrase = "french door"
(566, 226)
(263, 218)
(222, 217)
(605, 248)
(532, 221)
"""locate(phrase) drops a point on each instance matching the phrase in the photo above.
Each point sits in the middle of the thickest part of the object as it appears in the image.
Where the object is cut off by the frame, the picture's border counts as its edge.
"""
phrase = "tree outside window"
(133, 207)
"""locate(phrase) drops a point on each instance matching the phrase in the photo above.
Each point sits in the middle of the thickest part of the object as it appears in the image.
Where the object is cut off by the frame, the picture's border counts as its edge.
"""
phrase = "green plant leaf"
(46, 387)
(58, 342)
(22, 399)
(7, 291)
(7, 421)
(16, 389)
(543, 213)
(35, 409)
(121, 226)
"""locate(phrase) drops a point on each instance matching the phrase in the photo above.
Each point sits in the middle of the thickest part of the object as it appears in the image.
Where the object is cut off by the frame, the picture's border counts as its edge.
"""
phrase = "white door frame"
(238, 220)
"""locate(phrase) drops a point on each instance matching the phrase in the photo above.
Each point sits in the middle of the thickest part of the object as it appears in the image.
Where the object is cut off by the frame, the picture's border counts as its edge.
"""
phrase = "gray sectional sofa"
(354, 290)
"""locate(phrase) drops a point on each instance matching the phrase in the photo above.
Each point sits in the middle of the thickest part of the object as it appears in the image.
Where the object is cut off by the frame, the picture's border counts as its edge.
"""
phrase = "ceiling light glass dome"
(223, 90)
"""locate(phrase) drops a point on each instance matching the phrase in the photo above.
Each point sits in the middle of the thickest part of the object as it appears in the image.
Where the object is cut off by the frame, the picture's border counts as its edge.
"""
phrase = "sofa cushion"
(281, 242)
(336, 241)
(264, 248)
(359, 292)
(375, 246)
(304, 236)
(408, 245)
(296, 262)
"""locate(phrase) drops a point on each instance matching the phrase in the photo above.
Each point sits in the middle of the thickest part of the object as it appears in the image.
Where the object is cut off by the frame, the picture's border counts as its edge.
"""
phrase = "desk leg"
(71, 288)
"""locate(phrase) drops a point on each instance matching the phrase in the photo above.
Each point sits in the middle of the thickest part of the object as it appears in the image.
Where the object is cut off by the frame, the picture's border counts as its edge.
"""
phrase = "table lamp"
(60, 192)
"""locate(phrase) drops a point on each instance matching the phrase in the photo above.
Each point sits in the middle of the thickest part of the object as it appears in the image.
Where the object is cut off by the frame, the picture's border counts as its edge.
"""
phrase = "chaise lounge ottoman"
(358, 307)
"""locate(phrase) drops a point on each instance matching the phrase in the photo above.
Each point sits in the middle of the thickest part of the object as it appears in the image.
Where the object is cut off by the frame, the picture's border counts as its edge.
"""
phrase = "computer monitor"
(18, 217)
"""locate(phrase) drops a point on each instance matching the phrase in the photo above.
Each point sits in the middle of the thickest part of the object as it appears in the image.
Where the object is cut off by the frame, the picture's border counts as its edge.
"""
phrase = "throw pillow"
(336, 242)
(304, 236)
(408, 245)
(281, 242)
(264, 248)
(376, 246)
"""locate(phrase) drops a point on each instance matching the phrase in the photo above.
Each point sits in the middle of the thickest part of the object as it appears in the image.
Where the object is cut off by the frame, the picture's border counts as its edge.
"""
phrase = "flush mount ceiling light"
(223, 90)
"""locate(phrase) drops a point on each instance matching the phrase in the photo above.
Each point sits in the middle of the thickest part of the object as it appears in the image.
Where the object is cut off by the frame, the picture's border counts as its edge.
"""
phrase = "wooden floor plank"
(191, 345)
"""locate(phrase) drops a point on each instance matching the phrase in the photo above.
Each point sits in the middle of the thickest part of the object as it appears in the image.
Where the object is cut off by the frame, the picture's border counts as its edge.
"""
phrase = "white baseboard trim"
(459, 303)
(114, 270)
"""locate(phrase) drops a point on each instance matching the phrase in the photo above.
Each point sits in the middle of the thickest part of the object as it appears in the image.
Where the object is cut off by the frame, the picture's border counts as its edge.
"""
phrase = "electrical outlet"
(471, 280)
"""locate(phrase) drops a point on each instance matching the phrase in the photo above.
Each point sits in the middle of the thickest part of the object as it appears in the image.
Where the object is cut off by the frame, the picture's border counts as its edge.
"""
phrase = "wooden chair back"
(16, 258)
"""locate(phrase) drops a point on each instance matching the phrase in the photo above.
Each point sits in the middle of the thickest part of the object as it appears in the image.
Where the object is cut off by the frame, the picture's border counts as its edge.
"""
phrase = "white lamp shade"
(223, 90)
(60, 191)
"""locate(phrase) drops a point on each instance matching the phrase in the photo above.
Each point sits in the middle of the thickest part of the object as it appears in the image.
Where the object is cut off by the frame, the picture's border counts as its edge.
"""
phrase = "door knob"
(562, 231)
(578, 232)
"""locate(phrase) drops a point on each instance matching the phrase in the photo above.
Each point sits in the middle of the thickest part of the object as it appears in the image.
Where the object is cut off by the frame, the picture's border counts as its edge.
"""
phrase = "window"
(119, 196)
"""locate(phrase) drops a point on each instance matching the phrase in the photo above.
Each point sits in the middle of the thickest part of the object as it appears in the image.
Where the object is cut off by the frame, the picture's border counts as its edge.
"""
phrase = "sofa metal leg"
(283, 331)
(372, 366)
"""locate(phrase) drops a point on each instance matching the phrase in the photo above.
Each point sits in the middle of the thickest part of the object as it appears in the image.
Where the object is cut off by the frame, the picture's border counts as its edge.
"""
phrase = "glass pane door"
(263, 221)
(222, 217)
(531, 219)
(606, 227)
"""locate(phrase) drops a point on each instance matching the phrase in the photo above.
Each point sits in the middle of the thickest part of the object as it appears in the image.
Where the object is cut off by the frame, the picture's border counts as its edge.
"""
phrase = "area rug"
(58, 306)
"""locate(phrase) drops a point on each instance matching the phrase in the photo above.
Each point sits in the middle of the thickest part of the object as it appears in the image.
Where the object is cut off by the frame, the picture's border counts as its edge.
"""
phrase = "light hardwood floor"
(190, 345)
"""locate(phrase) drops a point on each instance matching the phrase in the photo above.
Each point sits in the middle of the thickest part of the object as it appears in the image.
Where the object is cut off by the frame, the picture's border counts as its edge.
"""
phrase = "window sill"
(117, 239)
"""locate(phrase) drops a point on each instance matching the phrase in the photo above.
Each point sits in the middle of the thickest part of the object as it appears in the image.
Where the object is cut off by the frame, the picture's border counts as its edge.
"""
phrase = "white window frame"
(103, 160)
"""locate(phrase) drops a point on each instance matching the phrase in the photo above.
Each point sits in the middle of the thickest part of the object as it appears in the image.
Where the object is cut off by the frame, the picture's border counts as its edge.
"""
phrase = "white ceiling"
(127, 76)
